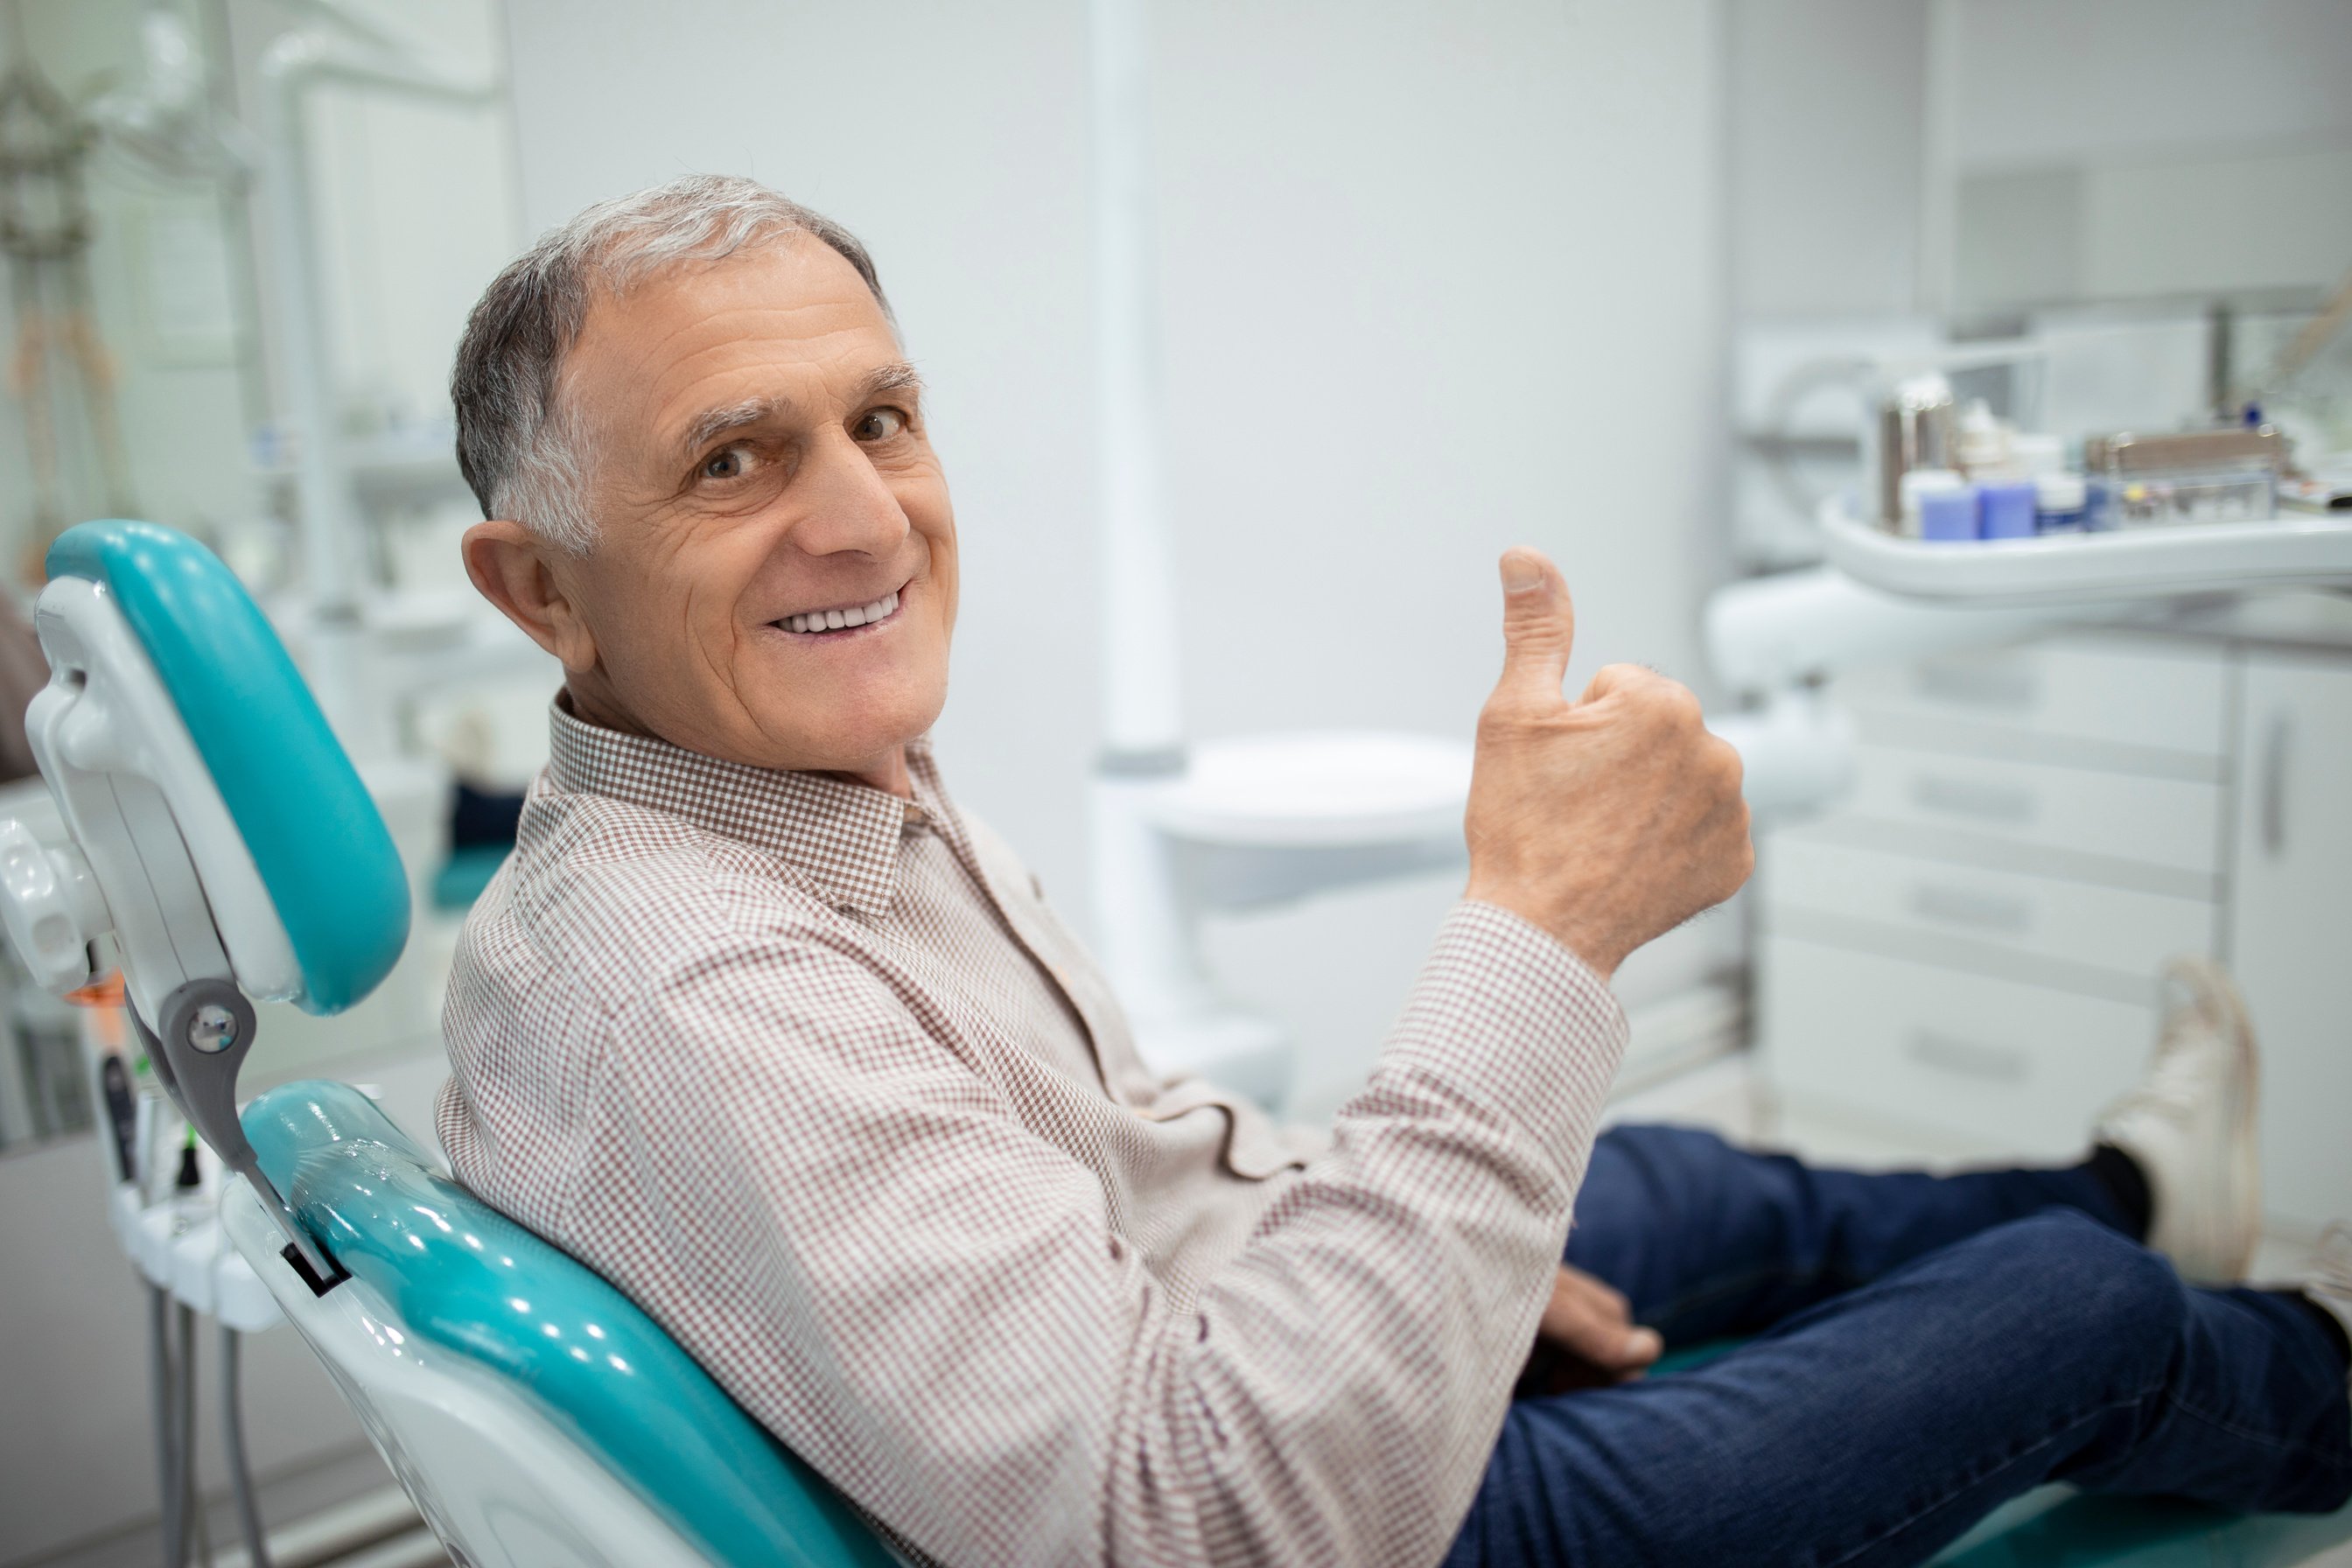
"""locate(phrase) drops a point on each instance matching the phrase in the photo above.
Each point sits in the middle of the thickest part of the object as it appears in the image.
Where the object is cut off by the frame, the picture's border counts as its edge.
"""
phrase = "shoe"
(2327, 1284)
(2329, 1278)
(2191, 1127)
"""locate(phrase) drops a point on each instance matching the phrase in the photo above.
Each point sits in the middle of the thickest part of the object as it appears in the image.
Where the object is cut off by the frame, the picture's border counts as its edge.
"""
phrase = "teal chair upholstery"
(466, 1277)
(279, 770)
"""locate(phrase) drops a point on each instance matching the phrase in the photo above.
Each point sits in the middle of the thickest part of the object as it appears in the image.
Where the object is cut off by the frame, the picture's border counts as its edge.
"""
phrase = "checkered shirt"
(812, 1073)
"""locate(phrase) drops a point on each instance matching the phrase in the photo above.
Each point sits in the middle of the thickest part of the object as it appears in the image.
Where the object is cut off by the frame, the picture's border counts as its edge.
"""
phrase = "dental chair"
(223, 842)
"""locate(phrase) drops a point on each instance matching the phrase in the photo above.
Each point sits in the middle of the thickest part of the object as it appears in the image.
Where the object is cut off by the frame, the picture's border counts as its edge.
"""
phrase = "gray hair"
(518, 443)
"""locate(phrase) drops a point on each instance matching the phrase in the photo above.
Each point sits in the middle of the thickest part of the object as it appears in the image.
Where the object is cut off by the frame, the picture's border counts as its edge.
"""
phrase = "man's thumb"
(1538, 622)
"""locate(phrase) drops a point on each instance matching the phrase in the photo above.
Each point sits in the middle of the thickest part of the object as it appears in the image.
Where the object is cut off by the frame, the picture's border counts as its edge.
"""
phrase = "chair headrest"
(305, 823)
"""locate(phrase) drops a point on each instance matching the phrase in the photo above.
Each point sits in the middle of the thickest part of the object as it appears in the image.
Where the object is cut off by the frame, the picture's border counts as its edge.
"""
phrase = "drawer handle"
(2276, 758)
(1996, 1064)
(1960, 907)
(1968, 797)
(1978, 685)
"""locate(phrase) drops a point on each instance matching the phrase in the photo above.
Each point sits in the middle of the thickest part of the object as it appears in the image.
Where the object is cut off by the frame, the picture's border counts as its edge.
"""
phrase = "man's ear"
(515, 571)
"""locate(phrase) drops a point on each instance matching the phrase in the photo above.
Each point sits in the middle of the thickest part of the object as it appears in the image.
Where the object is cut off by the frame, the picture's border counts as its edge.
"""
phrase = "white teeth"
(837, 620)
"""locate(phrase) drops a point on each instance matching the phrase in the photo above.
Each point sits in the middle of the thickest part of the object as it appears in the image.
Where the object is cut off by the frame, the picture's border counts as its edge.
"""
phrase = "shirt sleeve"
(936, 1308)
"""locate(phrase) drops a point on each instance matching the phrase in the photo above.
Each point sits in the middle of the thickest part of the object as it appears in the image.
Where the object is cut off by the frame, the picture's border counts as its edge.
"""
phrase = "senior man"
(761, 1025)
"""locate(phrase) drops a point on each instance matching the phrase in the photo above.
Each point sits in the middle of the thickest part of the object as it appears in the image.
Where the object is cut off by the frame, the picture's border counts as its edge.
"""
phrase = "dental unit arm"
(190, 767)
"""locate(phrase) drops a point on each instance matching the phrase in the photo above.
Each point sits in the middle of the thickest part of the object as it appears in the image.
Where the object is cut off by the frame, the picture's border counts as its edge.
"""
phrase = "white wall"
(417, 210)
(2077, 134)
(1435, 277)
(1824, 106)
(2042, 82)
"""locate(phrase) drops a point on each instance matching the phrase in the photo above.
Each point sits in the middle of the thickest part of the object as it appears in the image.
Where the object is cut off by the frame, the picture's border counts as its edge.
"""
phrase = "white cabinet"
(1968, 946)
(2290, 922)
(2000, 1064)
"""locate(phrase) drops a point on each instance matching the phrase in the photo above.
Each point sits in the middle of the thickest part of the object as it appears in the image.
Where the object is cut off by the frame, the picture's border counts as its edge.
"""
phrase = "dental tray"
(2307, 551)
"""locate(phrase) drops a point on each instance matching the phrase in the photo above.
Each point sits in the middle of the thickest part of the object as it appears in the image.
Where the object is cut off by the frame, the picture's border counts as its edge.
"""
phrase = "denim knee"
(2071, 1272)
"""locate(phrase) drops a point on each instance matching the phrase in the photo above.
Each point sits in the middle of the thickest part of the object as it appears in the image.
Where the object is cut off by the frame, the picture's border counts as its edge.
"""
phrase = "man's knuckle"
(1502, 719)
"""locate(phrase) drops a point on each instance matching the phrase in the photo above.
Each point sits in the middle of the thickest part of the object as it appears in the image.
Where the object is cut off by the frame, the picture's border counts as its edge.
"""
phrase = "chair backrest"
(484, 1359)
(298, 871)
(219, 834)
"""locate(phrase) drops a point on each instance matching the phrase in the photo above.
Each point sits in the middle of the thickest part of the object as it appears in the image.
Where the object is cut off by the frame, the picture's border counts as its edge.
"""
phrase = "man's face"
(758, 455)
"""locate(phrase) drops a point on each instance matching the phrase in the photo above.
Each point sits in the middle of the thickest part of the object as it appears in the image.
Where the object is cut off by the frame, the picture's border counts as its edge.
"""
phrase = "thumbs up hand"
(1607, 821)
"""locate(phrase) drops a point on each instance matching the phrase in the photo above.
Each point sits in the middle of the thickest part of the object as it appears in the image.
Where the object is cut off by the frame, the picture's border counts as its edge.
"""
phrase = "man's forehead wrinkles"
(678, 336)
(738, 355)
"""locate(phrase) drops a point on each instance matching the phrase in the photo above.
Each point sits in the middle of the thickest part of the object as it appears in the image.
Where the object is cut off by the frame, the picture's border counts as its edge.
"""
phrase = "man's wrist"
(1599, 948)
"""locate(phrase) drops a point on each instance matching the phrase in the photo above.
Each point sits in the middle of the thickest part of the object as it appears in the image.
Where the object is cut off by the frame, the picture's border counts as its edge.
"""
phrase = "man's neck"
(591, 705)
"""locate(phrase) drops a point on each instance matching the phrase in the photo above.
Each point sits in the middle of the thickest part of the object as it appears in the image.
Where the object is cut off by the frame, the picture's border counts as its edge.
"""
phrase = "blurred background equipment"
(243, 233)
(59, 369)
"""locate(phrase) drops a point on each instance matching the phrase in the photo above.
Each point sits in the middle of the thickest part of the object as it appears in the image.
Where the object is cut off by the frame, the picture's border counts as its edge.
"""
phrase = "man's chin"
(852, 739)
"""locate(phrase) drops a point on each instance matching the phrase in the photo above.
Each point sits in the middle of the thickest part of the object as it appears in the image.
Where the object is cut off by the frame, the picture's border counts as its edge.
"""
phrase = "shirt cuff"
(1510, 1015)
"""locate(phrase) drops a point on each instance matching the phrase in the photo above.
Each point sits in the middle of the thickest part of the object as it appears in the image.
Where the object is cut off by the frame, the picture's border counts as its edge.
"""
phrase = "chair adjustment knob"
(51, 907)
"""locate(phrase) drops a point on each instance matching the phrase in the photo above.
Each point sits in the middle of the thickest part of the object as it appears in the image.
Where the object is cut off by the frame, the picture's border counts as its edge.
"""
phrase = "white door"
(2290, 922)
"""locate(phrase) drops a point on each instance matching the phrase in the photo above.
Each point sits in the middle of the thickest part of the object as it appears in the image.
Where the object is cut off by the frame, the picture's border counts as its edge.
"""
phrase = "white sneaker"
(2328, 1279)
(2191, 1126)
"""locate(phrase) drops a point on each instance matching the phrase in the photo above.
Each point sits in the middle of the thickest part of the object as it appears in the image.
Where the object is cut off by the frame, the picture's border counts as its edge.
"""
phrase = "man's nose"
(848, 504)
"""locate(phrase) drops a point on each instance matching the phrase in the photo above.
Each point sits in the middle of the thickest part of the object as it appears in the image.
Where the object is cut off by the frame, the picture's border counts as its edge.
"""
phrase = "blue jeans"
(1928, 1347)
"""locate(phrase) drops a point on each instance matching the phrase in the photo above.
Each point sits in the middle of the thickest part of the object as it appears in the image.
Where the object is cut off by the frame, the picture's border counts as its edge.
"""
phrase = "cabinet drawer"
(2018, 1070)
(2132, 691)
(2171, 823)
(2078, 923)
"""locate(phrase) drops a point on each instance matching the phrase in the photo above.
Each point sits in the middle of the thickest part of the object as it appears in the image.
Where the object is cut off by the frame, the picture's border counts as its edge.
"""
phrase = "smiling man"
(761, 1025)
(784, 587)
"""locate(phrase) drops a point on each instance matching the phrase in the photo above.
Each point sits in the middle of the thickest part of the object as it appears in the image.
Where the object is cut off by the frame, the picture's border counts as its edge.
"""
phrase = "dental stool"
(222, 841)
(535, 1415)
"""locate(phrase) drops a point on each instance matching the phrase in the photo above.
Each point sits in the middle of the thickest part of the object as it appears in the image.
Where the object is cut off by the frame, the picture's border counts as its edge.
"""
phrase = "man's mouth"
(817, 623)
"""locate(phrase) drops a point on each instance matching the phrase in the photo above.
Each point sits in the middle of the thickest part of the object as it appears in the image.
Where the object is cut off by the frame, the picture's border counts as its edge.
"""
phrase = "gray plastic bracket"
(201, 1039)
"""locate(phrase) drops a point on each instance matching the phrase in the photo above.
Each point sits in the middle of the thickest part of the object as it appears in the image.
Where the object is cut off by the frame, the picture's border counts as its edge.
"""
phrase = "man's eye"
(724, 464)
(880, 425)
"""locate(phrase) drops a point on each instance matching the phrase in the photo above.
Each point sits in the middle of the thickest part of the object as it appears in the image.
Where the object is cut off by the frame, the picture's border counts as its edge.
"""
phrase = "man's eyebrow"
(713, 423)
(896, 376)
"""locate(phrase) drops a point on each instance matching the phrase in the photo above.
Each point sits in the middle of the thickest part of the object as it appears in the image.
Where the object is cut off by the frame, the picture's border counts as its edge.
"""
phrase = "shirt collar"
(843, 837)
